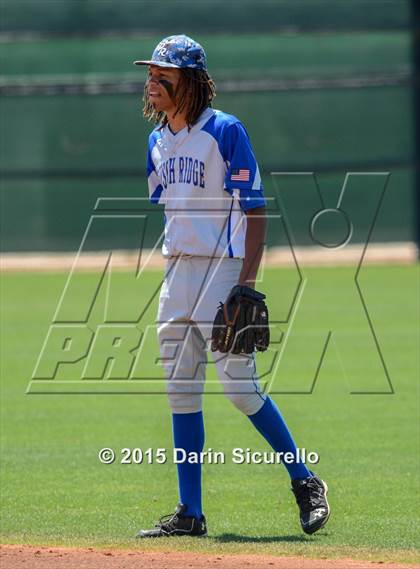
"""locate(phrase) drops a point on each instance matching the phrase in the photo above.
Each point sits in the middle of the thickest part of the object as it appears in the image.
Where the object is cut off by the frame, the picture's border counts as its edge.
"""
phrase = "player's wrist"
(247, 282)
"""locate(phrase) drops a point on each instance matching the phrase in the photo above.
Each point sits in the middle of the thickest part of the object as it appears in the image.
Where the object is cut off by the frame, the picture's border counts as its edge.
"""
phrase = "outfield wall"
(76, 16)
(329, 103)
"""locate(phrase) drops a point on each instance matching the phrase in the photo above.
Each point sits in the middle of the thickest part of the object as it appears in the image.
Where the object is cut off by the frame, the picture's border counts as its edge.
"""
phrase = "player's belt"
(188, 256)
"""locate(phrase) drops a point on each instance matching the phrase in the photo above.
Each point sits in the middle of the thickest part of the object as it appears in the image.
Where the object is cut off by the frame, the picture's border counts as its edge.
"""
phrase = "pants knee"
(248, 403)
(185, 402)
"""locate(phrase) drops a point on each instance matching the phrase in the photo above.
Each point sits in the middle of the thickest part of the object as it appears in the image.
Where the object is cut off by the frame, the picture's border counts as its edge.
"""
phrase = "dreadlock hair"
(195, 92)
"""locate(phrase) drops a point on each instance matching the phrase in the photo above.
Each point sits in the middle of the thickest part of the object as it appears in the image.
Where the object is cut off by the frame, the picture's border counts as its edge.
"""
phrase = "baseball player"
(201, 166)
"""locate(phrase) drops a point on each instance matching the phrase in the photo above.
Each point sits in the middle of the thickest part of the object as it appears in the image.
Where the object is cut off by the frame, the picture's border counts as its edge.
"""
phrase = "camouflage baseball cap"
(177, 51)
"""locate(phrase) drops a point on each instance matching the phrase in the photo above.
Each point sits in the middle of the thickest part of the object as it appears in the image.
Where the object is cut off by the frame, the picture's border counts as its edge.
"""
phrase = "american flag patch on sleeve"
(241, 175)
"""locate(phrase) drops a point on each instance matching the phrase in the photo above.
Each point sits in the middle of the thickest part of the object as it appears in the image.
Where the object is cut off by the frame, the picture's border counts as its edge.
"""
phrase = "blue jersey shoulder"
(219, 126)
(225, 118)
(154, 136)
(218, 123)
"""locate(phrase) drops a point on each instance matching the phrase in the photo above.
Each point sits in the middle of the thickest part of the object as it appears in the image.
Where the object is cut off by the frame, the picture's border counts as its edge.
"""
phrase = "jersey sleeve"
(243, 173)
(153, 180)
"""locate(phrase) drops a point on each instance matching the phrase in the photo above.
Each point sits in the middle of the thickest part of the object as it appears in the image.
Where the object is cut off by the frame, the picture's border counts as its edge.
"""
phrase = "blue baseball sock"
(270, 423)
(188, 431)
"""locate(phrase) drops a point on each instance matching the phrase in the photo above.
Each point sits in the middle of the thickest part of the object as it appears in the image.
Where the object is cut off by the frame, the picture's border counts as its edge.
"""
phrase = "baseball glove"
(241, 322)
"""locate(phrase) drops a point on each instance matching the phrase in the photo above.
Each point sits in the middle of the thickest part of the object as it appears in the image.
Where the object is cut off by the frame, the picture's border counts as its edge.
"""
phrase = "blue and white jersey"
(206, 178)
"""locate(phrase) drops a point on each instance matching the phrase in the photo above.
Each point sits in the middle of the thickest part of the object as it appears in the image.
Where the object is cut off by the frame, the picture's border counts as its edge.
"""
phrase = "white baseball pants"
(189, 298)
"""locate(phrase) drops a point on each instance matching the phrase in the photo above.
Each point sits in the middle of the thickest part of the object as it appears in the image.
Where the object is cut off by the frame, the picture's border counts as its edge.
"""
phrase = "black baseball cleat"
(311, 497)
(177, 524)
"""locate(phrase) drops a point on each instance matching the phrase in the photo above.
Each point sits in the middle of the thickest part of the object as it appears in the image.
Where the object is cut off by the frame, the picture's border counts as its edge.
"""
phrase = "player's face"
(162, 83)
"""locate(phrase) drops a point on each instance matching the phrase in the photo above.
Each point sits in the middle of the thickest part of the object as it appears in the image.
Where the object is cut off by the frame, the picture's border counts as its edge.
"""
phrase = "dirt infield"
(379, 253)
(18, 556)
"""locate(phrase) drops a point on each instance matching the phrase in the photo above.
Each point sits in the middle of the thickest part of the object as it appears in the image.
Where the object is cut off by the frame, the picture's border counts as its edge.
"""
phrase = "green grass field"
(55, 491)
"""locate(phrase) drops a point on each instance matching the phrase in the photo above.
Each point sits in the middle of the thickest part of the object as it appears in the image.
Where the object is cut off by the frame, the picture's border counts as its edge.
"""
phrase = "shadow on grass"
(235, 538)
